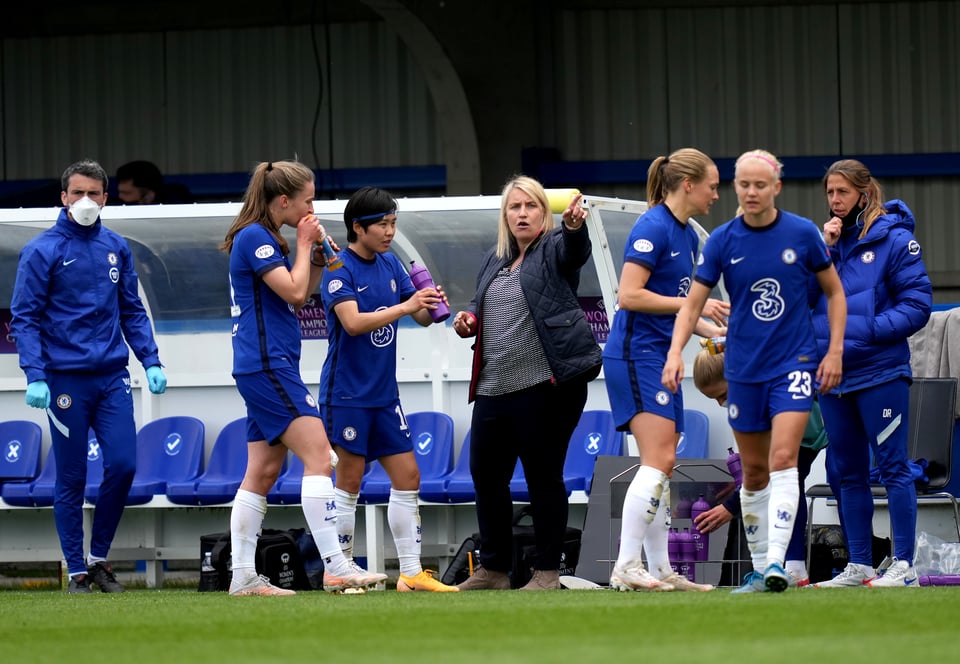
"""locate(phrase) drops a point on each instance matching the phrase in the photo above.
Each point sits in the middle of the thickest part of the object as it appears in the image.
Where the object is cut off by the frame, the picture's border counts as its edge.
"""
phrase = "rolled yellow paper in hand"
(560, 199)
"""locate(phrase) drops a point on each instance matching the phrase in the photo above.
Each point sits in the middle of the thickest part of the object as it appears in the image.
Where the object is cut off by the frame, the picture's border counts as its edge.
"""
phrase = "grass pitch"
(147, 626)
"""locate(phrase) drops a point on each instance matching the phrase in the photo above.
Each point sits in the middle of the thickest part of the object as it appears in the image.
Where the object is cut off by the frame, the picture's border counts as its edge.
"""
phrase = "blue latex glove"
(38, 394)
(156, 380)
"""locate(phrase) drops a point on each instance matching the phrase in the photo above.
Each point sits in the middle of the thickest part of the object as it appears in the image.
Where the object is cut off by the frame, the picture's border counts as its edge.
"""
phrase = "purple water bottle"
(673, 549)
(733, 465)
(682, 510)
(701, 541)
(686, 554)
(941, 580)
(420, 276)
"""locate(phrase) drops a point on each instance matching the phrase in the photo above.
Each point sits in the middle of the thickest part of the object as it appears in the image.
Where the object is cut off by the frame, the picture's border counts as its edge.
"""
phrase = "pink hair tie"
(762, 157)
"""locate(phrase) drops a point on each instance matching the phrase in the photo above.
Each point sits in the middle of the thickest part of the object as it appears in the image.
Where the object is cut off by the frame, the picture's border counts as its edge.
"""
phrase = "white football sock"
(655, 539)
(753, 510)
(246, 519)
(403, 515)
(346, 520)
(93, 560)
(797, 566)
(640, 506)
(320, 510)
(784, 494)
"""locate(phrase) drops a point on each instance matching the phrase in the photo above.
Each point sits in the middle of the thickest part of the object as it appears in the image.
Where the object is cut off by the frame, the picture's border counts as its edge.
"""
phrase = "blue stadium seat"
(169, 449)
(695, 439)
(458, 485)
(433, 489)
(39, 492)
(20, 442)
(432, 435)
(375, 486)
(286, 490)
(20, 494)
(224, 470)
(596, 433)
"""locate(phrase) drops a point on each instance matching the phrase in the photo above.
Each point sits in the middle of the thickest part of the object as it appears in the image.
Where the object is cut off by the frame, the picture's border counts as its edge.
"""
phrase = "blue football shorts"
(752, 406)
(634, 387)
(274, 399)
(368, 432)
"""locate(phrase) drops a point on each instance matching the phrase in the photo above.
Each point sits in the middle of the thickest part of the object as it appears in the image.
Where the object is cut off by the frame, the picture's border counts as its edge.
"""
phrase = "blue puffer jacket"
(549, 277)
(75, 303)
(889, 297)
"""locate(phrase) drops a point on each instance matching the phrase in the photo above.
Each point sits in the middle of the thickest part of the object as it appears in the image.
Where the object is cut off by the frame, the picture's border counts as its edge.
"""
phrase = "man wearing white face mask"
(75, 309)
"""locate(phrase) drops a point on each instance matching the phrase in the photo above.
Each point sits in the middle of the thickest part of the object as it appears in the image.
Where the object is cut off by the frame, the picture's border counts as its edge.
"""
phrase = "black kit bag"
(310, 555)
(525, 549)
(214, 562)
(467, 557)
(278, 558)
(464, 562)
(828, 553)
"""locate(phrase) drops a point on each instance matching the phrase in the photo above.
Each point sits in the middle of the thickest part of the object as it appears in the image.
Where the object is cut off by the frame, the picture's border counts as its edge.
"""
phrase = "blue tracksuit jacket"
(75, 302)
(889, 297)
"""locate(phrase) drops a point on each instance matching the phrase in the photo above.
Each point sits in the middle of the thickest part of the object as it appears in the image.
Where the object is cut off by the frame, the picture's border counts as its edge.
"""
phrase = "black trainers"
(79, 584)
(102, 575)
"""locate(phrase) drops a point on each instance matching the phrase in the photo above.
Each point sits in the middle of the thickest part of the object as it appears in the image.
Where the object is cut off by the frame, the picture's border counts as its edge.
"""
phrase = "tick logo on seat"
(173, 444)
(424, 443)
(66, 263)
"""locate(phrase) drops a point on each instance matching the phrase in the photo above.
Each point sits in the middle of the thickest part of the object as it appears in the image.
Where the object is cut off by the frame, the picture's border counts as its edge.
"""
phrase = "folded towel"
(935, 349)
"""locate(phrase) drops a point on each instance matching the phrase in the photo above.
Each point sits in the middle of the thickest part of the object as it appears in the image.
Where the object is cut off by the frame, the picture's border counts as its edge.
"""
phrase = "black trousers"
(533, 425)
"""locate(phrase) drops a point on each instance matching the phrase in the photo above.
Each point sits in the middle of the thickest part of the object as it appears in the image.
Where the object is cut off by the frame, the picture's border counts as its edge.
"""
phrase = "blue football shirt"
(266, 332)
(361, 370)
(668, 248)
(766, 272)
